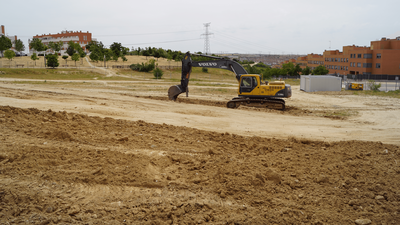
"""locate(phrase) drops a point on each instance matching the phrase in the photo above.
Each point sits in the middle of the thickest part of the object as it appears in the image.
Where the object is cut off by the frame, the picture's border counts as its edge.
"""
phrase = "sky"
(251, 26)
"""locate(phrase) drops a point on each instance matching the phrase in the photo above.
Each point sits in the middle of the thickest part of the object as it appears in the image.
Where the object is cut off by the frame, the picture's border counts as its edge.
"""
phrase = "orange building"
(83, 38)
(381, 58)
(302, 61)
(314, 60)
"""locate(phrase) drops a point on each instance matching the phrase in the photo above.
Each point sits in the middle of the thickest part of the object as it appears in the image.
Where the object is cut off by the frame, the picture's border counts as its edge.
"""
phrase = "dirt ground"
(119, 153)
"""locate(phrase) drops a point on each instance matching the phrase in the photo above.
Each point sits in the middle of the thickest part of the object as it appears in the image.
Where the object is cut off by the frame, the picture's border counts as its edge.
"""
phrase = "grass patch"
(49, 74)
(392, 94)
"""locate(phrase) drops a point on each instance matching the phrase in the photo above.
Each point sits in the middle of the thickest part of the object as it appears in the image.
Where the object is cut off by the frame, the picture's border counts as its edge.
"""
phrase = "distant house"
(12, 38)
(381, 58)
(83, 38)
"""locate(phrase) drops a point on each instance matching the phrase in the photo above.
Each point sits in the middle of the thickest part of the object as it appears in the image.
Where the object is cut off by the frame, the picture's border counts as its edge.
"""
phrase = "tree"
(19, 45)
(252, 69)
(108, 54)
(5, 44)
(9, 54)
(75, 48)
(297, 70)
(52, 60)
(290, 69)
(75, 57)
(320, 70)
(65, 57)
(34, 57)
(56, 46)
(37, 45)
(306, 71)
(71, 48)
(116, 49)
(158, 73)
(97, 51)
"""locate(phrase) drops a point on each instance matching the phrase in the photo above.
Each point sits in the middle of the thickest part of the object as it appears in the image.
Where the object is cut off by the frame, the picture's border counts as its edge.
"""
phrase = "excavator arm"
(187, 64)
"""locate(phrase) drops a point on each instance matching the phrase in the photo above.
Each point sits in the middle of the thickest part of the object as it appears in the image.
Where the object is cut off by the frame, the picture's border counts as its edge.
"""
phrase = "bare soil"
(92, 154)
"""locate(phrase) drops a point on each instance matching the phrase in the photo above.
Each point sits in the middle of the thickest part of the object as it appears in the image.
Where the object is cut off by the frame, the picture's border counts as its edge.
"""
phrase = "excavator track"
(270, 103)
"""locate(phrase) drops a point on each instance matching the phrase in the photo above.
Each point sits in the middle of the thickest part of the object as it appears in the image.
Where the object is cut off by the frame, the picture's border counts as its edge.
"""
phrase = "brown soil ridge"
(59, 167)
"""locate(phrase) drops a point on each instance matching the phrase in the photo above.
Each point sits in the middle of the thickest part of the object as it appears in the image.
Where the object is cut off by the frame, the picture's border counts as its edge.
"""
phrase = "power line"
(120, 35)
(233, 38)
(161, 42)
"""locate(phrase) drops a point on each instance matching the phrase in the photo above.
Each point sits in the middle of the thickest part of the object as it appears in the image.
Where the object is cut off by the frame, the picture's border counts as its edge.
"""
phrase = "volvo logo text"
(208, 64)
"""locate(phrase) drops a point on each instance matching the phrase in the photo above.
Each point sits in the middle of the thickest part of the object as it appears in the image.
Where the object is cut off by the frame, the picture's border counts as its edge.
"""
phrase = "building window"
(347, 68)
(347, 59)
(85, 38)
(359, 56)
(367, 65)
(358, 64)
(378, 65)
(378, 55)
(367, 56)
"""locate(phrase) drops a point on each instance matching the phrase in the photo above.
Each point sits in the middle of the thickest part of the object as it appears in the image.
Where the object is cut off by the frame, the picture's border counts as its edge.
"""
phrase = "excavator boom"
(187, 64)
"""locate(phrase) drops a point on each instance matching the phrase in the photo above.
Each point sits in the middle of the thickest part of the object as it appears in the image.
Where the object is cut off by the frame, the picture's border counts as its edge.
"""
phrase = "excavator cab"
(248, 83)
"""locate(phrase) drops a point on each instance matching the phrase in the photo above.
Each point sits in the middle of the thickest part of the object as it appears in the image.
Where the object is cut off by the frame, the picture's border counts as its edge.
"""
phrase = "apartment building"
(12, 38)
(381, 58)
(83, 38)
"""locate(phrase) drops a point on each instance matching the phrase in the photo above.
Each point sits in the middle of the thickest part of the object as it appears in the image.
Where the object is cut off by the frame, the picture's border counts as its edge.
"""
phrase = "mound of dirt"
(59, 167)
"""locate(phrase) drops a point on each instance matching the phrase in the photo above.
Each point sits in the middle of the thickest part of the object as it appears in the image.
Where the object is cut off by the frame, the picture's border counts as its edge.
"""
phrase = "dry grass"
(29, 63)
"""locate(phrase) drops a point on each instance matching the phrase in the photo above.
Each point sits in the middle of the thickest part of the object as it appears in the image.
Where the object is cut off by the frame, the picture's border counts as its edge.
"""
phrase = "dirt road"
(375, 119)
(93, 153)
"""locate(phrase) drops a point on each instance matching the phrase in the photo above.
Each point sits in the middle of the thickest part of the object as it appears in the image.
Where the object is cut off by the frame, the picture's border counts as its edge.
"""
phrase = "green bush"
(144, 67)
(158, 73)
(52, 60)
(9, 54)
(204, 69)
(373, 86)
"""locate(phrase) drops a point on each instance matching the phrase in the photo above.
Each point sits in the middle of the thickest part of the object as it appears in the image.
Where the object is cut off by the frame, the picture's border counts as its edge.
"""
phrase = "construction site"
(109, 147)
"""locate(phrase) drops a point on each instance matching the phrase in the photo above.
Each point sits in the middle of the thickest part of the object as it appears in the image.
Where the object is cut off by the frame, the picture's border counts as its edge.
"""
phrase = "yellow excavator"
(251, 92)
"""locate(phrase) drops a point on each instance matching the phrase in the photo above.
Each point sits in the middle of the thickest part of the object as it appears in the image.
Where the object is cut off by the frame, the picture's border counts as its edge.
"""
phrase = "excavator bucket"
(174, 91)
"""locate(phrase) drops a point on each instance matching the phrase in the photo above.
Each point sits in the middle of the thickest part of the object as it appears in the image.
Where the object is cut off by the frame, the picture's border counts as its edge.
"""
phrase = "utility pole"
(206, 39)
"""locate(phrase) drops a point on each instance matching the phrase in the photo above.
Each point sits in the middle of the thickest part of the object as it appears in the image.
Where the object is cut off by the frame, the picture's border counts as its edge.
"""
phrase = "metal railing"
(386, 85)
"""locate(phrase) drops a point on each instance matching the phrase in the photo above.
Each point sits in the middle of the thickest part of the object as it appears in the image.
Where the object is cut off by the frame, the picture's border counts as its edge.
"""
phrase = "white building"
(12, 38)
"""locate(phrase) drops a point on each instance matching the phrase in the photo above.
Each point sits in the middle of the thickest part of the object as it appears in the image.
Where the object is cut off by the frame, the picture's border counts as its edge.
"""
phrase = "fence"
(161, 67)
(40, 64)
(377, 77)
(386, 85)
